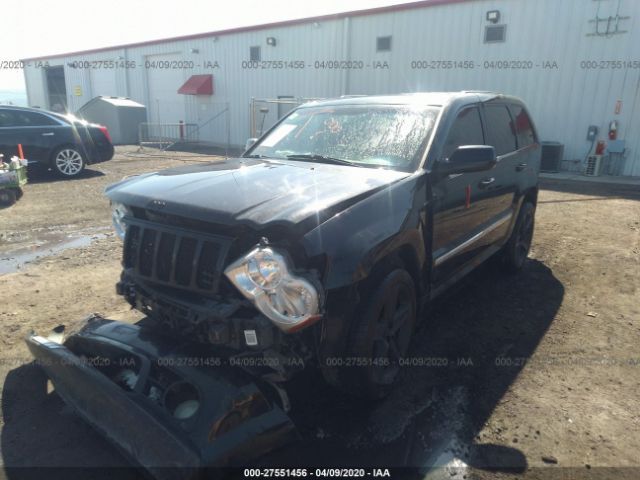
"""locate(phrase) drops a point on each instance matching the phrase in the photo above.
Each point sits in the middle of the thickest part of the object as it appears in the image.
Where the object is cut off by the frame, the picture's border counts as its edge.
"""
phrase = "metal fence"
(206, 125)
(164, 135)
(265, 112)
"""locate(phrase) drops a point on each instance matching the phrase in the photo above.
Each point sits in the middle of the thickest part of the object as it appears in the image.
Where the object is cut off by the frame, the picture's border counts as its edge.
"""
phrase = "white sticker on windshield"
(278, 135)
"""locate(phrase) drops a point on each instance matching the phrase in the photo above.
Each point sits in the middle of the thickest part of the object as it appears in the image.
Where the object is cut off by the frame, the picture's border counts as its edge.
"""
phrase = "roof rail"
(479, 91)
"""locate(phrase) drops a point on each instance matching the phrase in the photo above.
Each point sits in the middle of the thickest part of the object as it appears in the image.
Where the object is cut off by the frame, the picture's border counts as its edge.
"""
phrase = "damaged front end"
(166, 403)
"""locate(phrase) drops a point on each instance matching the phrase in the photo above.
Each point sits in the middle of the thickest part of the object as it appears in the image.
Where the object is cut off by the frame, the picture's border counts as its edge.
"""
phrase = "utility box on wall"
(120, 115)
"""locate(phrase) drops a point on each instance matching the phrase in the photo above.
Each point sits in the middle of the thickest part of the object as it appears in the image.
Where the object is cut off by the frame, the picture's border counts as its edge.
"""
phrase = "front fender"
(355, 239)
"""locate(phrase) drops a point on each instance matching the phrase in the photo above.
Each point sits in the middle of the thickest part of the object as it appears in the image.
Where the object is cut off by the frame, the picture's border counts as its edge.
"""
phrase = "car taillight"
(104, 130)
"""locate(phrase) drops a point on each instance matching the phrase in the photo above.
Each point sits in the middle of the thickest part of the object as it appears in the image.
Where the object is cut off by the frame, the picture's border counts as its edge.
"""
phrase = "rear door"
(527, 160)
(500, 133)
(37, 132)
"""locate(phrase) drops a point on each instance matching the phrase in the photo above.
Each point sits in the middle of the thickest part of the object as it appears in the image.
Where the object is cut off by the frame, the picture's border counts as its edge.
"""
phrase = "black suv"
(319, 245)
(61, 142)
(326, 236)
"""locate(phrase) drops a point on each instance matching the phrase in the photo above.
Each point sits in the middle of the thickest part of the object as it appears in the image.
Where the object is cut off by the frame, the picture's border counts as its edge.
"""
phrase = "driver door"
(463, 203)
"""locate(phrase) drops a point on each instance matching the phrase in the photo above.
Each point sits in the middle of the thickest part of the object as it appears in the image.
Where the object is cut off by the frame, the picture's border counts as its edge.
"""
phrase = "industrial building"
(576, 63)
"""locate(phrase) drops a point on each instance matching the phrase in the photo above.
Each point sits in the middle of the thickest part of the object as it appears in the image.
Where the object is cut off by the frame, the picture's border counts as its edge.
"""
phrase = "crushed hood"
(257, 192)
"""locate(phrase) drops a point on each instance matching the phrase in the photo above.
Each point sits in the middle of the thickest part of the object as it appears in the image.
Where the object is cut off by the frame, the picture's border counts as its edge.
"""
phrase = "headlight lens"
(118, 212)
(264, 277)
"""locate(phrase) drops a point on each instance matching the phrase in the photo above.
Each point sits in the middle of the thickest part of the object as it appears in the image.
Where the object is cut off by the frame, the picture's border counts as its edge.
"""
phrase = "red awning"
(198, 85)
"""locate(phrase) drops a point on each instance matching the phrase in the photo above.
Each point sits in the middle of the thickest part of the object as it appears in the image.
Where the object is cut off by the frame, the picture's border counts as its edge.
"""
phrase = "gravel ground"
(539, 373)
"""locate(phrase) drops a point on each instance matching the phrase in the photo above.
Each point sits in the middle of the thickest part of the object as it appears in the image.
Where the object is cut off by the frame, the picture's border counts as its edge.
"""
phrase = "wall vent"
(383, 44)
(495, 33)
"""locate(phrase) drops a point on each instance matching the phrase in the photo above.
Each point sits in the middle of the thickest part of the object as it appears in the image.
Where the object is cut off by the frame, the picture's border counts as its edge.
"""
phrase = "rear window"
(524, 128)
(500, 129)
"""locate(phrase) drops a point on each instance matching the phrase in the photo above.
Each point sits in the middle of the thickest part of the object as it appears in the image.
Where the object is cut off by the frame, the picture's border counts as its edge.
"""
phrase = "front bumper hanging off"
(162, 401)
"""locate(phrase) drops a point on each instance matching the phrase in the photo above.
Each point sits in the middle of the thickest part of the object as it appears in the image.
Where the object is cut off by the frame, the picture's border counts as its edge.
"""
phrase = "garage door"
(165, 104)
(103, 82)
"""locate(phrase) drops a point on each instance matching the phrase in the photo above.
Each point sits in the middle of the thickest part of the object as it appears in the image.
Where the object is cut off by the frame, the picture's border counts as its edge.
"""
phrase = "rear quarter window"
(524, 127)
(501, 133)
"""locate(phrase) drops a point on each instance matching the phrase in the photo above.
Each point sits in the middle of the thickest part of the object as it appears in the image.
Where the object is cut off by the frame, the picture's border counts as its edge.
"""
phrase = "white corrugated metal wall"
(564, 100)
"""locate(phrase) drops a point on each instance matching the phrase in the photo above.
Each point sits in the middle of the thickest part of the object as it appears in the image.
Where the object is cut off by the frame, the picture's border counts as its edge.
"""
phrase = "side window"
(7, 118)
(524, 129)
(32, 119)
(254, 54)
(466, 130)
(500, 129)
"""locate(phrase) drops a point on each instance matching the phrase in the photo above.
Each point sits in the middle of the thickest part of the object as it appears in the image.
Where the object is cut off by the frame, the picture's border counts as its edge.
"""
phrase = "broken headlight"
(118, 212)
(263, 276)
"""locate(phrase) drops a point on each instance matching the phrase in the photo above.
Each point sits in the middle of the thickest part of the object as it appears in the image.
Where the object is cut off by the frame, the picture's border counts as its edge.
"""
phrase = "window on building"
(500, 132)
(524, 128)
(254, 54)
(495, 33)
(383, 44)
(466, 130)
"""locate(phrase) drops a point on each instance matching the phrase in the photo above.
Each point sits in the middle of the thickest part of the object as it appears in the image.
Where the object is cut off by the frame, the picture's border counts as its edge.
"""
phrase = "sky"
(33, 28)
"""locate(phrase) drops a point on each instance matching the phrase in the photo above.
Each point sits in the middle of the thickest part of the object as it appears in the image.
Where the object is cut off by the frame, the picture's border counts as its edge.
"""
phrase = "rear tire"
(383, 326)
(67, 162)
(517, 248)
(7, 197)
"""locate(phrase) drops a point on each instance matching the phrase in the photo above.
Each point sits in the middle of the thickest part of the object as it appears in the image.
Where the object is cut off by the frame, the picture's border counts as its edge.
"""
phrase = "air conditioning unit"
(593, 166)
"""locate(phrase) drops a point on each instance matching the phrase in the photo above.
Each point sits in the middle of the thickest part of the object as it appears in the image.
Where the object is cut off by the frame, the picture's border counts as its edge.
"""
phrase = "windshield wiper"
(322, 159)
(255, 155)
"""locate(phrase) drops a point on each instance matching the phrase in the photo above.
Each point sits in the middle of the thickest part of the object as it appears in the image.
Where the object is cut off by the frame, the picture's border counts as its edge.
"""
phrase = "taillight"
(105, 131)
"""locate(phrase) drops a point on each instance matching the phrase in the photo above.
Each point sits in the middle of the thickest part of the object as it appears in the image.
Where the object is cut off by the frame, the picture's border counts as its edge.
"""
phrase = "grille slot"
(164, 257)
(175, 257)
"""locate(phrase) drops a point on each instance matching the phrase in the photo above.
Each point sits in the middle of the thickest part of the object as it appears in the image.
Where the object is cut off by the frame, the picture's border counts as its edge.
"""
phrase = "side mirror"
(468, 158)
(249, 143)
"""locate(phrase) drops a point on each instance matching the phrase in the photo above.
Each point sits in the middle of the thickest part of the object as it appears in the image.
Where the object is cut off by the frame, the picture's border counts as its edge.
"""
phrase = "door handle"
(521, 167)
(485, 182)
(48, 134)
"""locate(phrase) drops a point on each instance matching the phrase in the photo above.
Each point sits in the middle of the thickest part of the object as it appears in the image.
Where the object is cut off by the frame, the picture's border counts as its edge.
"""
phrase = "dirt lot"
(539, 373)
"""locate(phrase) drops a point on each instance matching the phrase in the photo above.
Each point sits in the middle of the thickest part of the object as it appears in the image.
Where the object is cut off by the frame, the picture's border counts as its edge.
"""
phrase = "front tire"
(381, 335)
(517, 248)
(67, 162)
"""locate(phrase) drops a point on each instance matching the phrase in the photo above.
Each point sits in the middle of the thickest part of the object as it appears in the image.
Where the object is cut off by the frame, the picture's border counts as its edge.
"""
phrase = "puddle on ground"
(45, 246)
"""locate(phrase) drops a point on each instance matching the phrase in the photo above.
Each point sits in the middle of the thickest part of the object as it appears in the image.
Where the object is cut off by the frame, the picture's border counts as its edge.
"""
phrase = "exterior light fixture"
(195, 50)
(271, 41)
(493, 16)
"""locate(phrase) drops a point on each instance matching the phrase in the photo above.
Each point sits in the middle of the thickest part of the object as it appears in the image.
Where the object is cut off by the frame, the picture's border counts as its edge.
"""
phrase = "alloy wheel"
(524, 237)
(393, 333)
(69, 162)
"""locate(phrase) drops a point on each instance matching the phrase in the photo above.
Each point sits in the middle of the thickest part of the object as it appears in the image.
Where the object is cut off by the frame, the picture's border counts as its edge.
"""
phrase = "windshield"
(387, 136)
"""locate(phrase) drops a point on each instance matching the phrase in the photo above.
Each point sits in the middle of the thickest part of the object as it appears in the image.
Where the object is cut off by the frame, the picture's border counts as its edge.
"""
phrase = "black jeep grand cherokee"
(320, 244)
(325, 237)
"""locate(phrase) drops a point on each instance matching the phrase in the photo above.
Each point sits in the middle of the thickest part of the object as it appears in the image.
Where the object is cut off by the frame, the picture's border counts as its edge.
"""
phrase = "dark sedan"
(63, 143)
